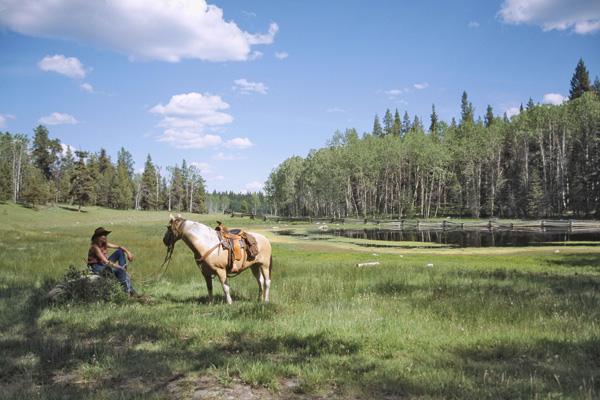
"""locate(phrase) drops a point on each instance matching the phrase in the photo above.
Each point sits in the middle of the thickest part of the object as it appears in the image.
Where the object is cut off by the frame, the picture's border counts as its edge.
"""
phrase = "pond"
(465, 238)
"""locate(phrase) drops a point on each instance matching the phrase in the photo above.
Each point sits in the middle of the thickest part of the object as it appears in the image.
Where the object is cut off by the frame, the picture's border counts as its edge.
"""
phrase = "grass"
(491, 323)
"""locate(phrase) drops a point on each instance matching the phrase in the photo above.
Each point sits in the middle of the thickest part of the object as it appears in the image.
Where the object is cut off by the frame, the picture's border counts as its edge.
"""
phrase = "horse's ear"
(171, 216)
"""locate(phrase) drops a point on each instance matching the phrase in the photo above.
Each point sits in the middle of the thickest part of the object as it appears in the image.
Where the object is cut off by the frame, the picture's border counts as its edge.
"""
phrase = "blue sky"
(237, 87)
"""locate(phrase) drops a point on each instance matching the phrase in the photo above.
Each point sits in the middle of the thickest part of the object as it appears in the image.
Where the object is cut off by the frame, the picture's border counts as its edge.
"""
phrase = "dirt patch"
(200, 387)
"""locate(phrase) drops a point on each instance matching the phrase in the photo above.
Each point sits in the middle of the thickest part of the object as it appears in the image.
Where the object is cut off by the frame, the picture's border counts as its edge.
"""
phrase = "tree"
(45, 151)
(580, 83)
(122, 191)
(82, 183)
(397, 123)
(6, 182)
(388, 123)
(244, 207)
(377, 131)
(467, 110)
(405, 123)
(66, 166)
(14, 151)
(148, 200)
(36, 187)
(489, 117)
(433, 128)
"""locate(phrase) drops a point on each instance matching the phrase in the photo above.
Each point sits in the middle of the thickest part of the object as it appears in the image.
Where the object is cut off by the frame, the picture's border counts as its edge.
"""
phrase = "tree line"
(543, 162)
(43, 171)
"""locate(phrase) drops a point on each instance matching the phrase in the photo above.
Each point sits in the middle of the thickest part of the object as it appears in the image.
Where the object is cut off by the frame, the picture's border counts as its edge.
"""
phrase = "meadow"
(424, 323)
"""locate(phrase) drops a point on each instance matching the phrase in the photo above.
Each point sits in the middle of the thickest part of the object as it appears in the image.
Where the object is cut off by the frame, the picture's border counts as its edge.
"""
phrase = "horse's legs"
(209, 285)
(261, 281)
(266, 272)
(223, 278)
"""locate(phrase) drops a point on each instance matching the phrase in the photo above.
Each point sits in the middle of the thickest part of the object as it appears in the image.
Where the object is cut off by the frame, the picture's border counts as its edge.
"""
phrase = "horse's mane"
(197, 228)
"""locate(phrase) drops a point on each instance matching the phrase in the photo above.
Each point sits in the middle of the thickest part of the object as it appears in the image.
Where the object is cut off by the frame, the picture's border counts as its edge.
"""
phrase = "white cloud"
(222, 157)
(65, 148)
(512, 111)
(247, 87)
(142, 30)
(188, 117)
(254, 186)
(421, 86)
(195, 105)
(473, 24)
(185, 139)
(282, 55)
(396, 92)
(204, 167)
(58, 119)
(87, 87)
(335, 110)
(582, 16)
(239, 143)
(554, 98)
(218, 178)
(3, 120)
(68, 66)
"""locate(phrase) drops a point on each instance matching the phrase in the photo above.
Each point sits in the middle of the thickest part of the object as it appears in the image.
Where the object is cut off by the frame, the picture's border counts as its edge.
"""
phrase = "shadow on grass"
(75, 209)
(517, 368)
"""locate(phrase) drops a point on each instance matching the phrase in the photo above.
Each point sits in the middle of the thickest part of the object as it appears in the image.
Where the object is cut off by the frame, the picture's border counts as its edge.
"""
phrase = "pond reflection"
(472, 238)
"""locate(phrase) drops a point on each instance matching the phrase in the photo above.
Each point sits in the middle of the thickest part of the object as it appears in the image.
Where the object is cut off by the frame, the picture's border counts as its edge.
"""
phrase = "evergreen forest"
(542, 162)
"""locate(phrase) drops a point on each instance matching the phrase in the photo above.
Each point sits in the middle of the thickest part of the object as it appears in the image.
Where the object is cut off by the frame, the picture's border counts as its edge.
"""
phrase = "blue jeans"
(119, 258)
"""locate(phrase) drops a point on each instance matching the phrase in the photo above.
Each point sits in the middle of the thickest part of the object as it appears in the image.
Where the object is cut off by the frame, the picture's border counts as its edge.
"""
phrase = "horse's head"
(173, 233)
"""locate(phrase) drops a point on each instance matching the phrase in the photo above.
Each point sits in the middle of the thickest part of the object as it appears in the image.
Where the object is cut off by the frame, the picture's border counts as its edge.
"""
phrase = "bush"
(80, 286)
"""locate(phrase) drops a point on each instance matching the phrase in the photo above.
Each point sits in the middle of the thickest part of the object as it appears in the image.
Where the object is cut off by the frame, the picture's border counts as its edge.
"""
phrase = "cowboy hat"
(100, 232)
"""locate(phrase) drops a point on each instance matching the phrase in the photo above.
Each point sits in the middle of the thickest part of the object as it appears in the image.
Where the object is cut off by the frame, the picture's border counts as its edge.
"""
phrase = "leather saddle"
(234, 241)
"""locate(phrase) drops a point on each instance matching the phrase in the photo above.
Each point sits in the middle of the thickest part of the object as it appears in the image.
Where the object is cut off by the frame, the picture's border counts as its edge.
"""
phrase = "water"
(466, 238)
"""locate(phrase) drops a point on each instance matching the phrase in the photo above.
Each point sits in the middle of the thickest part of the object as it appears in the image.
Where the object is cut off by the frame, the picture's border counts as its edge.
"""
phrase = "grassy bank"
(477, 324)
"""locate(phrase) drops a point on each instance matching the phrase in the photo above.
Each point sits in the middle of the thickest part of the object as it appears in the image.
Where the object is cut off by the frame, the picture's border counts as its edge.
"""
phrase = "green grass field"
(478, 324)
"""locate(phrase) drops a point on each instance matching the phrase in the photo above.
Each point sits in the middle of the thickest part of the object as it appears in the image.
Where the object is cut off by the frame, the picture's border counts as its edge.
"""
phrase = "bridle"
(158, 274)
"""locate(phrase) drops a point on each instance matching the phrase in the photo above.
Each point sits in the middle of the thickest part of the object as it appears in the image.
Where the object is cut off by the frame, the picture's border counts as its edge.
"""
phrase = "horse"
(205, 243)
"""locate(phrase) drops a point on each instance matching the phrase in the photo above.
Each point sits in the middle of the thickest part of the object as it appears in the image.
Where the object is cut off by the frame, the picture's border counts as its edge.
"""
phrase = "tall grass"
(472, 326)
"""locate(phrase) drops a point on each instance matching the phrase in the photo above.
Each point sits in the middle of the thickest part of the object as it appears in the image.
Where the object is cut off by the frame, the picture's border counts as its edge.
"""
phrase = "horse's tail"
(271, 266)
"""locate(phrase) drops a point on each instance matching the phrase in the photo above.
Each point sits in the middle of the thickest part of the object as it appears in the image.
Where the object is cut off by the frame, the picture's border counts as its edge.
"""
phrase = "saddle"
(236, 241)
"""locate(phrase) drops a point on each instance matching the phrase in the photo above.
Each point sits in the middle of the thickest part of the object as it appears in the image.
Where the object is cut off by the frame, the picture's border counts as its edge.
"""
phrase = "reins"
(158, 274)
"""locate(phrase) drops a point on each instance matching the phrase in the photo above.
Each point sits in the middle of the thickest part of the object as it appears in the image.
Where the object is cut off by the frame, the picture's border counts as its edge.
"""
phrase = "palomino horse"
(212, 259)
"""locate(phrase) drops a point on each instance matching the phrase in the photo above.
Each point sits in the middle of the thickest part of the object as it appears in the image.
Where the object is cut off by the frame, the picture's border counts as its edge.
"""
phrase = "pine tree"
(148, 190)
(377, 131)
(45, 151)
(580, 83)
(36, 187)
(489, 116)
(467, 110)
(82, 183)
(122, 191)
(433, 128)
(405, 123)
(388, 123)
(530, 104)
(397, 124)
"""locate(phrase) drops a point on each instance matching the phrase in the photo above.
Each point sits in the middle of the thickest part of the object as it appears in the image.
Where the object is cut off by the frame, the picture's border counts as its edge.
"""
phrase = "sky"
(236, 87)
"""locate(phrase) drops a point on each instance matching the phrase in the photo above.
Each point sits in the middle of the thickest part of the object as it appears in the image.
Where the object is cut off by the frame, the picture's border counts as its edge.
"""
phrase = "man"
(98, 258)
